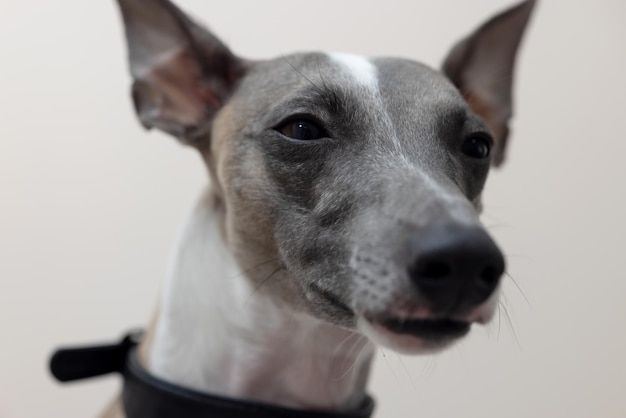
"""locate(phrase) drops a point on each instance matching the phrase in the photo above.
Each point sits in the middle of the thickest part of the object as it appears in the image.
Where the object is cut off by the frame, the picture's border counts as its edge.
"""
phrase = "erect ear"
(482, 67)
(182, 74)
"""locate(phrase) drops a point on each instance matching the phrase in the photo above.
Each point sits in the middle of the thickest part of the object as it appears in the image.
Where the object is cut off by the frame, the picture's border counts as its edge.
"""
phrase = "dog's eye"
(477, 146)
(301, 129)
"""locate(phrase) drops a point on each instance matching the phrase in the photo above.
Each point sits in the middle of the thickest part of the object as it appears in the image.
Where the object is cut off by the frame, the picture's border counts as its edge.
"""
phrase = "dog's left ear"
(482, 67)
(182, 74)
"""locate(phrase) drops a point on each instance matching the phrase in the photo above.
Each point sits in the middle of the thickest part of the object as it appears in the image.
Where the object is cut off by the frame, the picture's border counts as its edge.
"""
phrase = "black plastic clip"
(68, 364)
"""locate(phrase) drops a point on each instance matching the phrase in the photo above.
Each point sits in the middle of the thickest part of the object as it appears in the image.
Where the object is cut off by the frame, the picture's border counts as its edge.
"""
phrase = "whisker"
(489, 214)
(520, 289)
(336, 351)
(428, 367)
(262, 282)
(499, 321)
(349, 353)
(389, 366)
(248, 269)
(406, 370)
(356, 359)
(320, 90)
(508, 319)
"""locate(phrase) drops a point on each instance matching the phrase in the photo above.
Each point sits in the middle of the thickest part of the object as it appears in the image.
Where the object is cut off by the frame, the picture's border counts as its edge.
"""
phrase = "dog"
(342, 212)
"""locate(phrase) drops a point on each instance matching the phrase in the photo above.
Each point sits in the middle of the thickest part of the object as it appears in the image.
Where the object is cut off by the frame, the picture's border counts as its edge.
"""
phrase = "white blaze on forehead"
(360, 68)
(364, 73)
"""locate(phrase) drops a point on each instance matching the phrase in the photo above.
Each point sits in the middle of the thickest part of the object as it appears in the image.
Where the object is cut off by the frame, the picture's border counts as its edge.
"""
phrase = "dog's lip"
(433, 329)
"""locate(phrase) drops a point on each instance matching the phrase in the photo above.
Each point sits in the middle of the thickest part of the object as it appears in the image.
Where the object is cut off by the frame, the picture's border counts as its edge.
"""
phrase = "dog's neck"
(216, 333)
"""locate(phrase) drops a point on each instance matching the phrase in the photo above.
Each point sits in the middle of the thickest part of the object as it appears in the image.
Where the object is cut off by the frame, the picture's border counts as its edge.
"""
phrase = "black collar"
(145, 396)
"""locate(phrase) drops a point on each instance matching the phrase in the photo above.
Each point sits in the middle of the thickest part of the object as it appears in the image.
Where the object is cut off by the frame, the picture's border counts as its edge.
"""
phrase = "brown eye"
(477, 146)
(302, 130)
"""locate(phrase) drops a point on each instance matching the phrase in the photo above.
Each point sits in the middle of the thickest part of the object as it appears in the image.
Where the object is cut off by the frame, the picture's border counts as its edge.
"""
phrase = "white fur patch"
(359, 67)
(217, 333)
(364, 73)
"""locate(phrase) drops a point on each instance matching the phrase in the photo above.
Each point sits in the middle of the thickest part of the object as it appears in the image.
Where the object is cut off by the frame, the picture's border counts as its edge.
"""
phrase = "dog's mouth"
(418, 333)
(414, 335)
(427, 329)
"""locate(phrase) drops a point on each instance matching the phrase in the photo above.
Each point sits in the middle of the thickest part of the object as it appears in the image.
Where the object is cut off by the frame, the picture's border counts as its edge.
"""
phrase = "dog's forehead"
(392, 76)
(358, 69)
(407, 90)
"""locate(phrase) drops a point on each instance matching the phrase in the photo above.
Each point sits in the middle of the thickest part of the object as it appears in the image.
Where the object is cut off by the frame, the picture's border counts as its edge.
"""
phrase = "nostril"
(434, 270)
(489, 277)
(454, 267)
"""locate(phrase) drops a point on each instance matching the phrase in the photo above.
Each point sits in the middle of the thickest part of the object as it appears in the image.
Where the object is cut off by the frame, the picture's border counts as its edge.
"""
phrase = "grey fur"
(361, 192)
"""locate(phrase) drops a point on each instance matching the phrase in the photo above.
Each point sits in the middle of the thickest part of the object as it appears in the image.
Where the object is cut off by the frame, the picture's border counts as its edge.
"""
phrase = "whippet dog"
(342, 211)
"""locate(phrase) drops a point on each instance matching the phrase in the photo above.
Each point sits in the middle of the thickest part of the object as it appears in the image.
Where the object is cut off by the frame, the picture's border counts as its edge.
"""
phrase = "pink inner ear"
(182, 73)
(207, 96)
(482, 68)
(183, 98)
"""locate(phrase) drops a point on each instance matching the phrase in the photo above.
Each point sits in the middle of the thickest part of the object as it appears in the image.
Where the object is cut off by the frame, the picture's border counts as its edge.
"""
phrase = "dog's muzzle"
(453, 273)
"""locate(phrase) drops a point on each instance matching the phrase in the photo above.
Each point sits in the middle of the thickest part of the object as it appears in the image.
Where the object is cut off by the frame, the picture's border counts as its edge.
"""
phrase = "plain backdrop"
(89, 202)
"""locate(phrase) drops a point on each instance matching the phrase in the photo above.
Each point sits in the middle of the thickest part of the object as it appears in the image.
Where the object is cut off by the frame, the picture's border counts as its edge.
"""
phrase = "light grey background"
(89, 203)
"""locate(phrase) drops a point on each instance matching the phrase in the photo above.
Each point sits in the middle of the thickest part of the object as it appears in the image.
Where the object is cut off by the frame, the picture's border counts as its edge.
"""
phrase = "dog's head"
(361, 178)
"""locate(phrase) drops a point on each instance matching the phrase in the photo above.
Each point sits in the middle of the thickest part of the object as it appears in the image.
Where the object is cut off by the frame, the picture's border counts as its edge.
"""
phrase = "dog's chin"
(419, 336)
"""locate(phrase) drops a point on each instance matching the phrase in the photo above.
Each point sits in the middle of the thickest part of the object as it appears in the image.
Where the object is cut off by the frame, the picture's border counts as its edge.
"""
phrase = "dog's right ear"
(482, 67)
(182, 74)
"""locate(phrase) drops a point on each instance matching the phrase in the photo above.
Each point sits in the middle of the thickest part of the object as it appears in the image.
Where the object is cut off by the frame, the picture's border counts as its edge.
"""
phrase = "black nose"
(455, 267)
